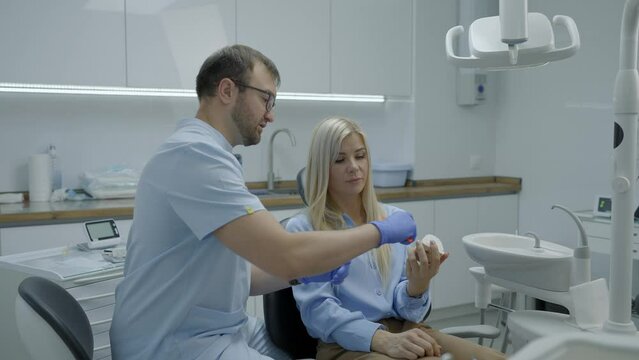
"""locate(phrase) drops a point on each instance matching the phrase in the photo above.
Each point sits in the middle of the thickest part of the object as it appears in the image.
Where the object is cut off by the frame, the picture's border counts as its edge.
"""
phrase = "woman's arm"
(322, 311)
(409, 306)
(325, 318)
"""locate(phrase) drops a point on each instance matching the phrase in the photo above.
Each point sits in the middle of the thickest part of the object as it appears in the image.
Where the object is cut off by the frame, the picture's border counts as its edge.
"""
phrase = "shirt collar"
(347, 219)
(220, 139)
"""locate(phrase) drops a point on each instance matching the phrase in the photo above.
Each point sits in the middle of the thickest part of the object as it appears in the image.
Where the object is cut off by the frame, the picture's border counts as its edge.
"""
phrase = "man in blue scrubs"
(201, 243)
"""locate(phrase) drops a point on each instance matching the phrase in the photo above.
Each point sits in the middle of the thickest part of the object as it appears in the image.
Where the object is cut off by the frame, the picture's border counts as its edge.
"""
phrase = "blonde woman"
(376, 312)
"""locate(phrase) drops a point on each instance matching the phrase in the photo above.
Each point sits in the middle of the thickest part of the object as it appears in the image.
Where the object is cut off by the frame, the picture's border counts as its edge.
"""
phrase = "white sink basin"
(513, 257)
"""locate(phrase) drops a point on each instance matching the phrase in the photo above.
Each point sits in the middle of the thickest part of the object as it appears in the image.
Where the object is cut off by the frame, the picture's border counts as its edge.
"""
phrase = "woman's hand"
(422, 264)
(410, 344)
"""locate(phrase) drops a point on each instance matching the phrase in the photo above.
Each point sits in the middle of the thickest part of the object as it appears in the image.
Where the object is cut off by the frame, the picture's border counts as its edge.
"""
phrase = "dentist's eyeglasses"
(270, 101)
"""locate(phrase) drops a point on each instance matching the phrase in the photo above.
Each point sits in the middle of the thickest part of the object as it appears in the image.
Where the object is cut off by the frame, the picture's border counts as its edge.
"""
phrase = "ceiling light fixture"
(157, 92)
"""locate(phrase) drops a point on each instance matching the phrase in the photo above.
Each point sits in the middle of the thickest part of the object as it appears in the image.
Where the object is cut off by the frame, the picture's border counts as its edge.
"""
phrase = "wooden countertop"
(32, 213)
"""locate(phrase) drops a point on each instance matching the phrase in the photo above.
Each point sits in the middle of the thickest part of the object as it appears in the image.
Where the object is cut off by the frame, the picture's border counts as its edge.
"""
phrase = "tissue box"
(390, 174)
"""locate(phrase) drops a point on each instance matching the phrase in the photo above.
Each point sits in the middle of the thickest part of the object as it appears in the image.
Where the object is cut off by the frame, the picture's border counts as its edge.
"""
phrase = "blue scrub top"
(184, 293)
(347, 314)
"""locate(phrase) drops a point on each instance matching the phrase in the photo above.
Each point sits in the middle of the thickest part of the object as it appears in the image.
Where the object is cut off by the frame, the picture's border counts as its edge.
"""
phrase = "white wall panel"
(168, 41)
(294, 34)
(371, 47)
(62, 42)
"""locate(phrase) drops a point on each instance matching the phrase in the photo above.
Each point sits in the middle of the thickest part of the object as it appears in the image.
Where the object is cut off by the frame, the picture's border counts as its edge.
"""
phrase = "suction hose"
(581, 255)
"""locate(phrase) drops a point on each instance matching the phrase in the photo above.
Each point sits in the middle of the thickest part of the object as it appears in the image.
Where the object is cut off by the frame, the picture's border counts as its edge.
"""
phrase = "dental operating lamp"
(514, 39)
(517, 39)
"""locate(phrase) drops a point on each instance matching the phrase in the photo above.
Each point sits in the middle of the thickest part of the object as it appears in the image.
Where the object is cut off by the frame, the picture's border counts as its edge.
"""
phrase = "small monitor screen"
(605, 205)
(101, 230)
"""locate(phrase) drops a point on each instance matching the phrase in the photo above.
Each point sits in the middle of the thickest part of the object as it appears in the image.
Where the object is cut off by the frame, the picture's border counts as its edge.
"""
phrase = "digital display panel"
(101, 230)
(604, 205)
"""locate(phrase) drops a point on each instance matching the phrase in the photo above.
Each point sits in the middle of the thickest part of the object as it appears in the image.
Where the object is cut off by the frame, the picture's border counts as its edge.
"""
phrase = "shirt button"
(379, 292)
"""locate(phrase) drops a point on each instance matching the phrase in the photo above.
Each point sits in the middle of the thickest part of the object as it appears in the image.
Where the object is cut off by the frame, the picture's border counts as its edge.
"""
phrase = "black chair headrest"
(62, 312)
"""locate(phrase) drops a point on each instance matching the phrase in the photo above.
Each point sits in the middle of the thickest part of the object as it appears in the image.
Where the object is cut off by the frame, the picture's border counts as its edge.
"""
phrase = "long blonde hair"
(324, 214)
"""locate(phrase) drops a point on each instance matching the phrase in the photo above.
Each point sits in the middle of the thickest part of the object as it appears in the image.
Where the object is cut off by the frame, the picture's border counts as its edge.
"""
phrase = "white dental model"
(426, 240)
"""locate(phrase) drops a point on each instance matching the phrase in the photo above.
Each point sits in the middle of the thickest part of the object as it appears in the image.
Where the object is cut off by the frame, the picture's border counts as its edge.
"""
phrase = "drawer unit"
(101, 346)
(100, 319)
(599, 233)
(96, 295)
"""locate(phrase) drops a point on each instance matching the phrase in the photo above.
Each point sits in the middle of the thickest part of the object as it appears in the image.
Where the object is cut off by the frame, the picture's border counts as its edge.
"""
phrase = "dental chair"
(287, 331)
(51, 323)
(285, 327)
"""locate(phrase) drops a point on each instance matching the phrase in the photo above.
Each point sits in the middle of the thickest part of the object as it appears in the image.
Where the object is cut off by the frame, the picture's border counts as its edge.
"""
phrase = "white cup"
(40, 177)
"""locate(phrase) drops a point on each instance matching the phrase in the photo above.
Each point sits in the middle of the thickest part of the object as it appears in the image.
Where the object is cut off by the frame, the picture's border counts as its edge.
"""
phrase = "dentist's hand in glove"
(335, 277)
(399, 227)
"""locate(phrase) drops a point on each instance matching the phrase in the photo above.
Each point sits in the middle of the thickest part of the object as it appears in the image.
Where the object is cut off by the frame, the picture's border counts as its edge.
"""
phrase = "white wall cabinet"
(17, 240)
(353, 47)
(424, 214)
(167, 41)
(62, 42)
(292, 33)
(372, 47)
(452, 219)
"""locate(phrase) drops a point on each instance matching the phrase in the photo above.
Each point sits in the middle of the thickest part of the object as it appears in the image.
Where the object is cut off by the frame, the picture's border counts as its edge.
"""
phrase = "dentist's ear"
(225, 90)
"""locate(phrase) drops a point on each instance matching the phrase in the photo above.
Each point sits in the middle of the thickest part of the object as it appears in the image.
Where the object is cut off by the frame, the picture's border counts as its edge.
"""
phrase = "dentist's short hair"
(235, 62)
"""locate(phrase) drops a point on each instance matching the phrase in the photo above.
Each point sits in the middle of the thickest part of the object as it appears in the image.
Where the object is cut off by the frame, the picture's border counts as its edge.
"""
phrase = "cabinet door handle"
(93, 297)
(105, 321)
(98, 348)
(97, 278)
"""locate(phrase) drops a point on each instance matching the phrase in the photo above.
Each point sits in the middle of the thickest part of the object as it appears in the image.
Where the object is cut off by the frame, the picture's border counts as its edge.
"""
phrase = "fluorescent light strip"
(92, 90)
(130, 91)
(330, 97)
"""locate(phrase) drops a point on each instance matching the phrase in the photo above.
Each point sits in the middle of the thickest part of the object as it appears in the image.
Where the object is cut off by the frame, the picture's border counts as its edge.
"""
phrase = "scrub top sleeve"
(211, 191)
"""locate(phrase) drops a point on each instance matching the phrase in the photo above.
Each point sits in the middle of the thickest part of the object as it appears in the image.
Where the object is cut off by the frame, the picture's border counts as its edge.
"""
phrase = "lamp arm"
(451, 39)
(626, 108)
(628, 38)
(573, 33)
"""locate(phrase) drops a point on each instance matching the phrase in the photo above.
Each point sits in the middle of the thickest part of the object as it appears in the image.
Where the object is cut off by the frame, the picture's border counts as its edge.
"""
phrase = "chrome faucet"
(270, 177)
(536, 237)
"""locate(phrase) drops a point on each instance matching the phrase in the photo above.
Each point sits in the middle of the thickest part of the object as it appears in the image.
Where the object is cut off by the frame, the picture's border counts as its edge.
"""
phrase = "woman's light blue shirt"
(347, 313)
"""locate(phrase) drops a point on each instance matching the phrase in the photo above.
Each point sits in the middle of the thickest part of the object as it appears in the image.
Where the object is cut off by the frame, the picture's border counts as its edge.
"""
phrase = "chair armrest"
(472, 331)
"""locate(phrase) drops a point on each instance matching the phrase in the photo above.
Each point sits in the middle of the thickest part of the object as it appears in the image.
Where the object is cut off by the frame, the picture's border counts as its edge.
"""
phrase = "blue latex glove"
(399, 227)
(336, 276)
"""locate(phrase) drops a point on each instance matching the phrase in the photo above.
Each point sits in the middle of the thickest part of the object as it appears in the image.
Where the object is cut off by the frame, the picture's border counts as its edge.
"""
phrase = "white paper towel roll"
(40, 177)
